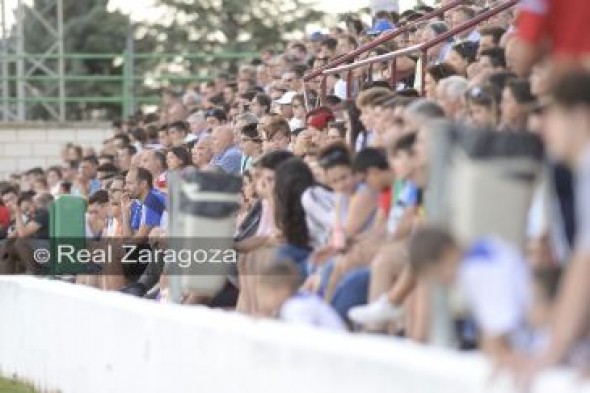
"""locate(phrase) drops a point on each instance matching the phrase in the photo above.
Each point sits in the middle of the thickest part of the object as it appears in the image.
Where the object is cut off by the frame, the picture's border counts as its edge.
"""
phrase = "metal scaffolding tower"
(39, 77)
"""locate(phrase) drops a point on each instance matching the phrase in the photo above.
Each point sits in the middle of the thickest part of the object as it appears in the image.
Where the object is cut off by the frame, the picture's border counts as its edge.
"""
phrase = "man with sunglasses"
(250, 145)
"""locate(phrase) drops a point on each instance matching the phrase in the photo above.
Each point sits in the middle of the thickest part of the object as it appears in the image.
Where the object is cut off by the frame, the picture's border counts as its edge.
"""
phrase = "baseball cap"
(316, 36)
(380, 26)
(320, 117)
(287, 98)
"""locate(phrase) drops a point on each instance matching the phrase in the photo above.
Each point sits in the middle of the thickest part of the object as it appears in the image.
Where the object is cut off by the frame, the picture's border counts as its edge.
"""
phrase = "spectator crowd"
(333, 228)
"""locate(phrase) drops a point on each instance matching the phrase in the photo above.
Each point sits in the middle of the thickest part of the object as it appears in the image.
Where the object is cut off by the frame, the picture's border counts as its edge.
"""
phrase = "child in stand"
(279, 297)
(405, 195)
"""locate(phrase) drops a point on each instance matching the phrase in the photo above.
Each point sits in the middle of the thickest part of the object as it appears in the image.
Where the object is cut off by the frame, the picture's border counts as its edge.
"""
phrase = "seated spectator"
(276, 134)
(86, 182)
(493, 276)
(449, 93)
(250, 145)
(517, 103)
(202, 153)
(155, 162)
(177, 158)
(54, 178)
(215, 117)
(434, 74)
(336, 132)
(490, 37)
(461, 56)
(299, 112)
(105, 172)
(483, 107)
(226, 155)
(280, 298)
(260, 105)
(317, 124)
(177, 132)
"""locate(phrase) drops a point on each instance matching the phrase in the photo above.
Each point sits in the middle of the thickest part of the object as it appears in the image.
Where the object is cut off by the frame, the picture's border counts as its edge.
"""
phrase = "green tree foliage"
(88, 28)
(232, 25)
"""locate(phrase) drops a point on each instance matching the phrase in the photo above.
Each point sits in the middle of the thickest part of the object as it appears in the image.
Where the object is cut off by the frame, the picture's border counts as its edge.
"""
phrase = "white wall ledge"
(77, 339)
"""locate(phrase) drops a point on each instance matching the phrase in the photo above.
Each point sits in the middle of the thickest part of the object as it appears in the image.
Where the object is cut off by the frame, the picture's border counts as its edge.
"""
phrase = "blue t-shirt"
(150, 212)
(229, 161)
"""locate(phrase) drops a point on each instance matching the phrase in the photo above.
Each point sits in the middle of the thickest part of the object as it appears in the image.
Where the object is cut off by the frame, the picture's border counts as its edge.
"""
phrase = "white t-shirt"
(296, 123)
(311, 310)
(496, 282)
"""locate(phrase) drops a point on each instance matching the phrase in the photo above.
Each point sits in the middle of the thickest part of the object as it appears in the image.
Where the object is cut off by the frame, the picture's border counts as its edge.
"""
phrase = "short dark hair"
(139, 134)
(336, 154)
(466, 49)
(495, 32)
(521, 90)
(369, 157)
(161, 156)
(330, 43)
(251, 131)
(25, 197)
(9, 190)
(263, 100)
(105, 156)
(130, 149)
(497, 56)
(182, 154)
(91, 159)
(427, 246)
(55, 169)
(109, 168)
(500, 79)
(572, 90)
(405, 143)
(37, 171)
(123, 137)
(273, 159)
(144, 175)
(441, 71)
(99, 196)
(180, 126)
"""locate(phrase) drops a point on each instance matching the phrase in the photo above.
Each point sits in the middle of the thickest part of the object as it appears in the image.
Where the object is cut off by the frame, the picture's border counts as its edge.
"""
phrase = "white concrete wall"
(75, 339)
(27, 145)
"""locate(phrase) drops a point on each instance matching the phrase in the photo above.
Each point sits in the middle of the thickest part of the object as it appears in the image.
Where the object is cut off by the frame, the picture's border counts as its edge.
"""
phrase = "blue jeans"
(297, 254)
(351, 291)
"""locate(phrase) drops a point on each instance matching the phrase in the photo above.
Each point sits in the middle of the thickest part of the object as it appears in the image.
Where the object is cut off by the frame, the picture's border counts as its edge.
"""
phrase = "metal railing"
(419, 48)
(130, 82)
(382, 39)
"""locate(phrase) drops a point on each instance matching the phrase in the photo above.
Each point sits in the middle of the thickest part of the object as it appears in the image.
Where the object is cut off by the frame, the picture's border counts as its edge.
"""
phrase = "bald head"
(222, 138)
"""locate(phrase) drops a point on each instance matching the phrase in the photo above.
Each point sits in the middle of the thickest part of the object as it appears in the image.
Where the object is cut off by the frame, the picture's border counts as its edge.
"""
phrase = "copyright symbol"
(41, 255)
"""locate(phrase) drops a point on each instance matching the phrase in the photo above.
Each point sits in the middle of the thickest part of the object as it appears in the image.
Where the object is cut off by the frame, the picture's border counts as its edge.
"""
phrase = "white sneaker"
(381, 310)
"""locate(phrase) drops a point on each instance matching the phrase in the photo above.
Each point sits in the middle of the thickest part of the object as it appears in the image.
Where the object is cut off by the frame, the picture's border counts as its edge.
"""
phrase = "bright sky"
(147, 10)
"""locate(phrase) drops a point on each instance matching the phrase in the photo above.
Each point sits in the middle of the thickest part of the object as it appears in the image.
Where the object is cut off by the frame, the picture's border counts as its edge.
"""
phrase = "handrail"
(423, 47)
(374, 59)
(381, 39)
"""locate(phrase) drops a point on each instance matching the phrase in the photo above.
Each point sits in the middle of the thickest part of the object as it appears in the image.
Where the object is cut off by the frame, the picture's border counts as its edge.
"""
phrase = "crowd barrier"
(71, 339)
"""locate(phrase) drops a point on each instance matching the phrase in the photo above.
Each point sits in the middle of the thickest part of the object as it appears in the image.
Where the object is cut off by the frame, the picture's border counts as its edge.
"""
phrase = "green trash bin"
(67, 231)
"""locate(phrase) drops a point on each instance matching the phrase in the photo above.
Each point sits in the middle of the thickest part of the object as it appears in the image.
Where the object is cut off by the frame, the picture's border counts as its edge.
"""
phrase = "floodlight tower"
(39, 76)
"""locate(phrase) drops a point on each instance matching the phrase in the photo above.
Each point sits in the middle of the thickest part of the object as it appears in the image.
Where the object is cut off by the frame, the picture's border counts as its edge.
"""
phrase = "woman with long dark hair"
(355, 125)
(292, 178)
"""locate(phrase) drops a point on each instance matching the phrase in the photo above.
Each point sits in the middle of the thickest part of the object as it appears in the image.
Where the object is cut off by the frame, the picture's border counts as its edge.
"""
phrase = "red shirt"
(385, 200)
(4, 217)
(564, 24)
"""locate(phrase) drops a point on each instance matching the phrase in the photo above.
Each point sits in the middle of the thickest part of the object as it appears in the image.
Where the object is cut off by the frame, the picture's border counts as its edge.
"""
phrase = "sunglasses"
(479, 95)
